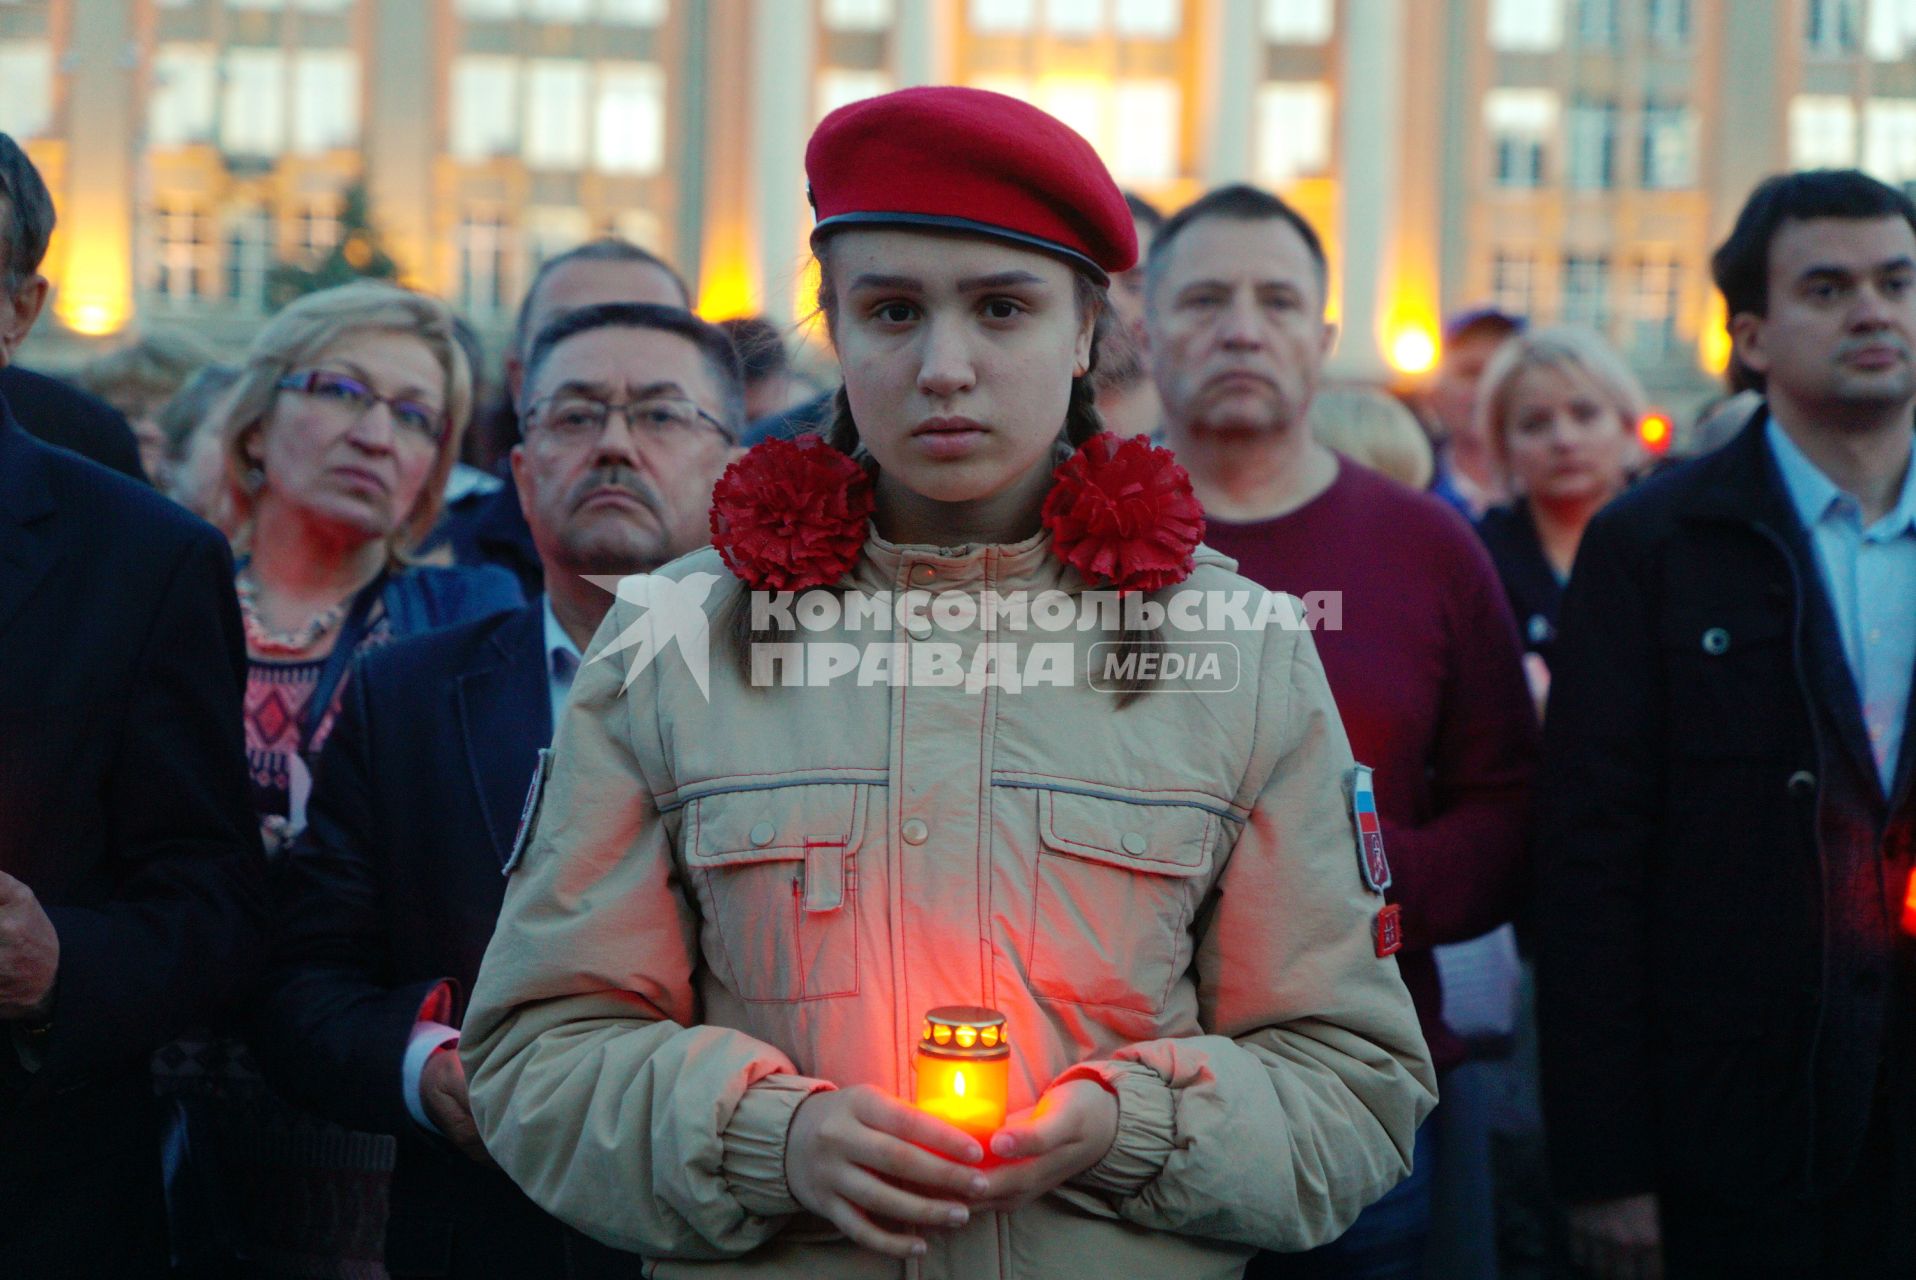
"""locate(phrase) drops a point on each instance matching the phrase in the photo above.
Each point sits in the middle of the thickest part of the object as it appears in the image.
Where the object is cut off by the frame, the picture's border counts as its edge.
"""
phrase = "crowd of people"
(1544, 907)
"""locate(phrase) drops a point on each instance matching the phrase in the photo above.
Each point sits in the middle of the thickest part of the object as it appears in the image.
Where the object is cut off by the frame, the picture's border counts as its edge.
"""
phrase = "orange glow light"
(1909, 904)
(1413, 351)
(1655, 433)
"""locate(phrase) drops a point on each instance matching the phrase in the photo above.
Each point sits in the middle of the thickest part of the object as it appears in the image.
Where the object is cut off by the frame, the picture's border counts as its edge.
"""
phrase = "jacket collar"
(505, 717)
(27, 543)
(1000, 566)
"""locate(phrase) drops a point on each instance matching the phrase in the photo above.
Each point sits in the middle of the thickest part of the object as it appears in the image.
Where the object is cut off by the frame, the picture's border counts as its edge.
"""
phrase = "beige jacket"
(724, 905)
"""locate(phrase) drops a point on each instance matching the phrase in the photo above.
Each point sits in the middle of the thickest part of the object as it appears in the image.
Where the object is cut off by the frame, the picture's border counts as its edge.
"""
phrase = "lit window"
(249, 254)
(1590, 159)
(483, 238)
(1293, 132)
(857, 15)
(1011, 86)
(633, 13)
(1669, 147)
(1297, 21)
(1513, 283)
(253, 112)
(630, 137)
(1586, 291)
(1653, 307)
(488, 10)
(1079, 103)
(558, 10)
(1147, 19)
(995, 16)
(1892, 29)
(1143, 144)
(1526, 26)
(183, 104)
(26, 69)
(319, 228)
(1831, 26)
(839, 86)
(1074, 17)
(555, 113)
(1889, 140)
(1520, 123)
(325, 100)
(485, 107)
(184, 267)
(1822, 132)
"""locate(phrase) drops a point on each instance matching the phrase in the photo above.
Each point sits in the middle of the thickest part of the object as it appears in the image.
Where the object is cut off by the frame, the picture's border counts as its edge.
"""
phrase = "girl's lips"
(945, 443)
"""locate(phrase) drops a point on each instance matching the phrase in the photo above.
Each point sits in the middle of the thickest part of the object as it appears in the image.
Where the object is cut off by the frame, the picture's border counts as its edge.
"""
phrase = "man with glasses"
(387, 902)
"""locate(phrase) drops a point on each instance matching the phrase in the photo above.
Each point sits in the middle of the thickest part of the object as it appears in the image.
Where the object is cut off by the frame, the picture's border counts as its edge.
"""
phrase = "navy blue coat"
(124, 807)
(392, 891)
(1724, 987)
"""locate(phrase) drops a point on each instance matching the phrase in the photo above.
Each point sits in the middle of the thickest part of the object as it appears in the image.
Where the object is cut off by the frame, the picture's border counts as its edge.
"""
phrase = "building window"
(1669, 147)
(997, 17)
(184, 266)
(1526, 26)
(1822, 132)
(1143, 139)
(1892, 29)
(1147, 19)
(558, 10)
(1293, 132)
(839, 86)
(1074, 17)
(857, 15)
(318, 227)
(488, 10)
(325, 100)
(1889, 140)
(1669, 22)
(555, 113)
(26, 71)
(1297, 21)
(482, 262)
(1830, 26)
(1596, 24)
(1520, 122)
(485, 107)
(630, 133)
(253, 111)
(1586, 289)
(1590, 161)
(1653, 308)
(183, 105)
(633, 13)
(249, 255)
(1513, 283)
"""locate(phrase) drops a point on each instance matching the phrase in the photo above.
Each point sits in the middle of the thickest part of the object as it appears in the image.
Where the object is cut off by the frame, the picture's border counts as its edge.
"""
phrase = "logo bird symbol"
(674, 613)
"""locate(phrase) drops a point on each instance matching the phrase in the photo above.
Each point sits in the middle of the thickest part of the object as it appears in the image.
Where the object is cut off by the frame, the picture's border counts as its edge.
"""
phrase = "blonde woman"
(337, 439)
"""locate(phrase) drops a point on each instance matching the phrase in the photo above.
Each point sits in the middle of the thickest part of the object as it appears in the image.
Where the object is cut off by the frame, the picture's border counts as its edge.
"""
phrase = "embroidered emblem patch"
(1388, 930)
(1370, 833)
(529, 814)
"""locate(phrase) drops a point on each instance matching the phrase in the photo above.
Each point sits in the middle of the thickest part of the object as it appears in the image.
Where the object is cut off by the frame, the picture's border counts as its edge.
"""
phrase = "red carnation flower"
(1121, 512)
(791, 514)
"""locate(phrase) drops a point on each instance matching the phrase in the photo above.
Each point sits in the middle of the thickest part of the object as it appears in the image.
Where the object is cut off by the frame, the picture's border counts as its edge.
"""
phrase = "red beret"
(969, 160)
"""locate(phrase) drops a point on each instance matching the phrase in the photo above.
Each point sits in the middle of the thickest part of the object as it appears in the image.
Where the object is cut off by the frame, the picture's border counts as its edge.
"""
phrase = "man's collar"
(1812, 492)
(561, 653)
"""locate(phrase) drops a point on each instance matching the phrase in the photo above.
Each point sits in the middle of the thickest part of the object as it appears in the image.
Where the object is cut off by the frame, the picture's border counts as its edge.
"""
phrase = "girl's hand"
(1070, 1129)
(851, 1155)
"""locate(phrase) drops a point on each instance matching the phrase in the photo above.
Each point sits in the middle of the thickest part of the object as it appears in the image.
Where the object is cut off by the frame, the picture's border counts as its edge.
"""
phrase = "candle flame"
(958, 1083)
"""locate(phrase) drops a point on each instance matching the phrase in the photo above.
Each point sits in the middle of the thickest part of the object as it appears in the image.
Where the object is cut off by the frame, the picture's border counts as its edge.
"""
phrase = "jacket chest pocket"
(776, 876)
(1732, 683)
(1118, 884)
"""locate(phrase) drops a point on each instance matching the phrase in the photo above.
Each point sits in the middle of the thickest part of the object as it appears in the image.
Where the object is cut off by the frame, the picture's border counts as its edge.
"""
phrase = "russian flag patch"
(1371, 864)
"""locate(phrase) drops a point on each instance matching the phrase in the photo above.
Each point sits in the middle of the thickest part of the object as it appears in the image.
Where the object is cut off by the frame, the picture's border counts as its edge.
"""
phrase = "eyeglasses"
(351, 396)
(574, 419)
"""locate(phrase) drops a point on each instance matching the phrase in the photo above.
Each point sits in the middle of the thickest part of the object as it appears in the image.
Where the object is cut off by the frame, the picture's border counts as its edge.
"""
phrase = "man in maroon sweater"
(1424, 662)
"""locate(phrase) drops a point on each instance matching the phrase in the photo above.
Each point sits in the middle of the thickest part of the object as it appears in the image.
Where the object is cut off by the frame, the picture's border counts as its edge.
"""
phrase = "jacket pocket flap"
(1158, 839)
(776, 824)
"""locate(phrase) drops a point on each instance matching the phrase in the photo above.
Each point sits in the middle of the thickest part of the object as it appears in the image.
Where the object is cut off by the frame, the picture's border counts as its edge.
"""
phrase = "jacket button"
(1802, 784)
(915, 831)
(1134, 844)
(921, 574)
(762, 834)
(1716, 640)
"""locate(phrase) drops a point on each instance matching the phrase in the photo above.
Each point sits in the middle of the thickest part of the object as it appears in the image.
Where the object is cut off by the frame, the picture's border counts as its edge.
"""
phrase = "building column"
(782, 109)
(922, 42)
(1370, 115)
(1231, 43)
(96, 208)
(401, 150)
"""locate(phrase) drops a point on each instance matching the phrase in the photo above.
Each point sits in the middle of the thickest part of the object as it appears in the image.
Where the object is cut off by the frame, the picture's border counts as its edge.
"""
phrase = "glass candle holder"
(963, 1069)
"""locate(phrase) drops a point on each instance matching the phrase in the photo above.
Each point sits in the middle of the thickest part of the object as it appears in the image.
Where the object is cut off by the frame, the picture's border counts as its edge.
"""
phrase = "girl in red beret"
(910, 737)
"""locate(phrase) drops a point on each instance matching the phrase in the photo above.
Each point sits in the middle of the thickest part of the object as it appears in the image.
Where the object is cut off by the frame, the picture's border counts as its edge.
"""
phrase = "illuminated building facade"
(1573, 160)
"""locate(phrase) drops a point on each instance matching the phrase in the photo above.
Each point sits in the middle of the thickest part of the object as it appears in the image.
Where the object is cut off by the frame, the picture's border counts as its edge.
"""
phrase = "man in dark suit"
(131, 880)
(389, 900)
(1726, 826)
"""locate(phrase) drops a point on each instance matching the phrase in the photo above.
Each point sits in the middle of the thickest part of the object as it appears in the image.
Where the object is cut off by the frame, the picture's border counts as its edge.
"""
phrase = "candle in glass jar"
(963, 1071)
